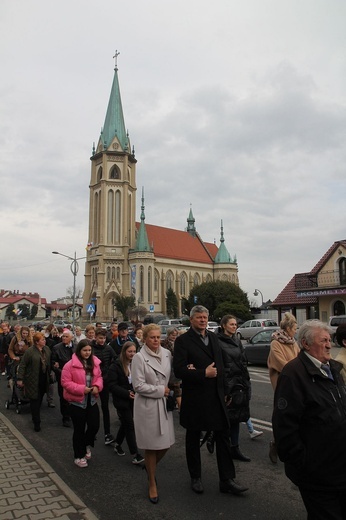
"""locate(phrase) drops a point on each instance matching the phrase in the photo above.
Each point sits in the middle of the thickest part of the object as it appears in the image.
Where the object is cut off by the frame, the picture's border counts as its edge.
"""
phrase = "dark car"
(257, 348)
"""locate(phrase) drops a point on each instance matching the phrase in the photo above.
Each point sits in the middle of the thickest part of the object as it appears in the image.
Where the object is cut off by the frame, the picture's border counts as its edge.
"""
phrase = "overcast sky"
(237, 108)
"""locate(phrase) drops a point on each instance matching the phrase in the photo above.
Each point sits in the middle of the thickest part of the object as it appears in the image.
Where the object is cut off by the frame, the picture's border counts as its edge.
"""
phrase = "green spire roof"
(114, 122)
(222, 256)
(142, 242)
(191, 224)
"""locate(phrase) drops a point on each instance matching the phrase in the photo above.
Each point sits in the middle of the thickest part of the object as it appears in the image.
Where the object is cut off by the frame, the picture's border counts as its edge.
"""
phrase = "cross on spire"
(115, 57)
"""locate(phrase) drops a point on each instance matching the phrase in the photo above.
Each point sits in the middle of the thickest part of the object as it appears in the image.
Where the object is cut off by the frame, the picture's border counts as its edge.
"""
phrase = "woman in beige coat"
(283, 348)
(151, 371)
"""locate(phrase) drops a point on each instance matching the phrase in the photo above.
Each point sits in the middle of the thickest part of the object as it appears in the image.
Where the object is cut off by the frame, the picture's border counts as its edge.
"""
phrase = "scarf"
(157, 355)
(282, 336)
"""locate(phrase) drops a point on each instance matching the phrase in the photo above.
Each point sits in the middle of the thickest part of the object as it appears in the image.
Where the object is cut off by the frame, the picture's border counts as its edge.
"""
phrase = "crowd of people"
(205, 377)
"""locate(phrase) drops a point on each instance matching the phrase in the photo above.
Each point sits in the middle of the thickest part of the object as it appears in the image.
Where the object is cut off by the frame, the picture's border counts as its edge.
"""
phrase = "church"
(135, 258)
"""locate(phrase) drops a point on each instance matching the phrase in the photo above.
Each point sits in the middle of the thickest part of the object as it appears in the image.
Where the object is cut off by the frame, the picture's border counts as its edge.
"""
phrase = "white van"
(170, 323)
(334, 322)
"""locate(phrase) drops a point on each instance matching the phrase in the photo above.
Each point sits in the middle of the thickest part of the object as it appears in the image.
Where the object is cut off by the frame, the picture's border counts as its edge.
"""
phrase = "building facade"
(320, 293)
(135, 258)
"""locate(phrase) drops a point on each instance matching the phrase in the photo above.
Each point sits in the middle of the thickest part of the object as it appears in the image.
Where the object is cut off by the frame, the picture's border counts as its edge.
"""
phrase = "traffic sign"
(90, 308)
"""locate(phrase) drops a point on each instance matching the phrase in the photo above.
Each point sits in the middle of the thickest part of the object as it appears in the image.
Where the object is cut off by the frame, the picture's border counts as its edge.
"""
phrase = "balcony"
(324, 279)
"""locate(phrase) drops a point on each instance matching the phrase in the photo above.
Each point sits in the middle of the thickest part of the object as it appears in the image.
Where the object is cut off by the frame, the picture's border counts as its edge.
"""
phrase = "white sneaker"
(87, 456)
(81, 463)
(255, 434)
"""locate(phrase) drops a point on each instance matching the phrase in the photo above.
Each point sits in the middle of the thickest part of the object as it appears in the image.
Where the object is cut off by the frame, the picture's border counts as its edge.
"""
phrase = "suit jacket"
(203, 399)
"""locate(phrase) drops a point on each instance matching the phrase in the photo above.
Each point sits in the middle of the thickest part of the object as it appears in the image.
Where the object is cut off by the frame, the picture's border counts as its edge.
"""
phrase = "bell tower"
(112, 210)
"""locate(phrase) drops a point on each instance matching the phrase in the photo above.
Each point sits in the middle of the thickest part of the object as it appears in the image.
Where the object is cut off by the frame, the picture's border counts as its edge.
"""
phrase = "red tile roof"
(179, 245)
(288, 296)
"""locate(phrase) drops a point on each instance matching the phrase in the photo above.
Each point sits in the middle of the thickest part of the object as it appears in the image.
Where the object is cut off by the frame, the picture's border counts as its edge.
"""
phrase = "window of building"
(183, 284)
(110, 217)
(196, 279)
(342, 271)
(169, 280)
(99, 174)
(141, 283)
(149, 285)
(114, 173)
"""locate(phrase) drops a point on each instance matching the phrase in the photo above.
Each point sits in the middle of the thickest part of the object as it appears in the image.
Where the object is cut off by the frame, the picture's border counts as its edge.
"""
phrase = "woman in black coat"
(120, 385)
(237, 379)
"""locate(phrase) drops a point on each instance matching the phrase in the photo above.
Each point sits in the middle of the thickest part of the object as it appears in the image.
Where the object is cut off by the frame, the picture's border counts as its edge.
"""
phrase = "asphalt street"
(112, 487)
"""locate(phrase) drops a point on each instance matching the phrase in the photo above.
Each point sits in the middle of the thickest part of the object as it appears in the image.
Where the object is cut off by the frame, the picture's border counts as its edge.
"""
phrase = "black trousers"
(324, 505)
(64, 406)
(223, 454)
(104, 398)
(35, 408)
(86, 423)
(127, 430)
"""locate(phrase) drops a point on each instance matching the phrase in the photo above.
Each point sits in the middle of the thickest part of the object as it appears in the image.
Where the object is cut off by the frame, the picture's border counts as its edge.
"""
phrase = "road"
(114, 488)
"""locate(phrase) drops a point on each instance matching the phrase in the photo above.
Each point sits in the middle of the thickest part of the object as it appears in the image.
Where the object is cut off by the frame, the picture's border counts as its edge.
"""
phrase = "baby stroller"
(18, 394)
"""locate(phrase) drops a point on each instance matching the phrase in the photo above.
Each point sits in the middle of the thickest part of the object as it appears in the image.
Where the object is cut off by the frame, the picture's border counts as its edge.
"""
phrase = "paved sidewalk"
(29, 488)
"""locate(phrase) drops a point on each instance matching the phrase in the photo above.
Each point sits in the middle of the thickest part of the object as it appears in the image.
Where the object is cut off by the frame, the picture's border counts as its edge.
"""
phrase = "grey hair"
(308, 330)
(170, 330)
(197, 309)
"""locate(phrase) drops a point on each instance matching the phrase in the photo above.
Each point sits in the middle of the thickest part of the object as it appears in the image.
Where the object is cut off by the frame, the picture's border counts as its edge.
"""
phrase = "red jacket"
(73, 379)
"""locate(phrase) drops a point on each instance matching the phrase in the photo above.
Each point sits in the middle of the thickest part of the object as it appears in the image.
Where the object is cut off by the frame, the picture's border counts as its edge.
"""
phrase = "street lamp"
(257, 292)
(74, 270)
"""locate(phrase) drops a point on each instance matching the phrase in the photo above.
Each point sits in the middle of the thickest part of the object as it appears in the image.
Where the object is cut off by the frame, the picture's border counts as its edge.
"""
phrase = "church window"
(183, 282)
(114, 173)
(113, 273)
(117, 216)
(99, 174)
(169, 280)
(110, 218)
(149, 285)
(141, 283)
(108, 274)
(118, 273)
(196, 279)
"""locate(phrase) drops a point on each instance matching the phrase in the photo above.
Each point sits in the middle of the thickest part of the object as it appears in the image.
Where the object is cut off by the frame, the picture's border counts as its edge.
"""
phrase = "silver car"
(251, 327)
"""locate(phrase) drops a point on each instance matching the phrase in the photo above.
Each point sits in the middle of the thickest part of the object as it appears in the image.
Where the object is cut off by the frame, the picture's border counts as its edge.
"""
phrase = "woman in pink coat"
(82, 382)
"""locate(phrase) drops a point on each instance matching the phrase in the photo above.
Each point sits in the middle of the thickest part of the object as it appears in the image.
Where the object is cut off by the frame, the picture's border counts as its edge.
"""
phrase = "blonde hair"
(149, 328)
(288, 321)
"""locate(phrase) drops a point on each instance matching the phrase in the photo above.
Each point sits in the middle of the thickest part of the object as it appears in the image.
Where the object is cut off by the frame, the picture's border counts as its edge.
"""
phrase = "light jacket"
(73, 379)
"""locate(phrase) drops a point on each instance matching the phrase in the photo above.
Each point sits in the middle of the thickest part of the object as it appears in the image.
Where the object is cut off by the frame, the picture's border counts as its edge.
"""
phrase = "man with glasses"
(61, 354)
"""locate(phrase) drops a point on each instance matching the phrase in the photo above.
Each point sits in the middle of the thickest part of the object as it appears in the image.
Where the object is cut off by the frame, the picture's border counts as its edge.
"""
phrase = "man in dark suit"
(198, 363)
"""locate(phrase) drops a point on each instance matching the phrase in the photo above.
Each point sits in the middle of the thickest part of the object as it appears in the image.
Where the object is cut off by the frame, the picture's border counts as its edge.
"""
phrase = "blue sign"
(90, 308)
(195, 299)
(151, 308)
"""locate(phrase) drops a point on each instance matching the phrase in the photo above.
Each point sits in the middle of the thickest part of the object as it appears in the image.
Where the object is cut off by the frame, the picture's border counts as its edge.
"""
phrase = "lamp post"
(257, 292)
(74, 270)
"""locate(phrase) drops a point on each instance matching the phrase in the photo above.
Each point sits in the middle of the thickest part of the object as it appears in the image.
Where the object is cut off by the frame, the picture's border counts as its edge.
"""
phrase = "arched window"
(97, 209)
(149, 285)
(169, 280)
(108, 274)
(141, 283)
(114, 173)
(117, 216)
(196, 279)
(342, 271)
(99, 174)
(118, 273)
(113, 273)
(208, 278)
(110, 218)
(183, 284)
(338, 308)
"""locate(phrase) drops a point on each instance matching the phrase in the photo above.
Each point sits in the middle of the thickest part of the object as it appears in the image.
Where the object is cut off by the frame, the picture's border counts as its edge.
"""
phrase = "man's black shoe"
(232, 487)
(66, 423)
(196, 485)
(238, 455)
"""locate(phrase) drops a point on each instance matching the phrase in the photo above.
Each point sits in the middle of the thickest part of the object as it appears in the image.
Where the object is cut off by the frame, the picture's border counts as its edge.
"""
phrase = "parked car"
(213, 326)
(61, 323)
(257, 349)
(251, 327)
(334, 322)
(170, 323)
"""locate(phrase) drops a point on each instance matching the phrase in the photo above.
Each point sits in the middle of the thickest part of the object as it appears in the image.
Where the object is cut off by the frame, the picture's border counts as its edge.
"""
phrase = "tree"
(9, 311)
(124, 304)
(213, 294)
(137, 313)
(34, 311)
(171, 303)
(69, 292)
(25, 308)
(240, 311)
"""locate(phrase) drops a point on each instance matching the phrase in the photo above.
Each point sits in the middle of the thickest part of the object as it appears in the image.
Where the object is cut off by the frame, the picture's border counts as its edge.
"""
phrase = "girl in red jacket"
(82, 381)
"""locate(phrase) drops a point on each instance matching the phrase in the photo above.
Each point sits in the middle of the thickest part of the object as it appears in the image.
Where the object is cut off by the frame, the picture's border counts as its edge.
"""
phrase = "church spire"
(114, 125)
(222, 256)
(142, 242)
(191, 223)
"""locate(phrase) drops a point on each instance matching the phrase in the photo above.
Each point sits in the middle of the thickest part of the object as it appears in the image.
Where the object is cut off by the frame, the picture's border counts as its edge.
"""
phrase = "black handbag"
(170, 402)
